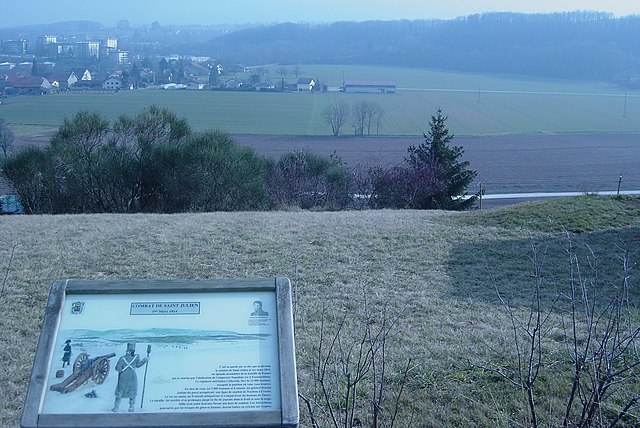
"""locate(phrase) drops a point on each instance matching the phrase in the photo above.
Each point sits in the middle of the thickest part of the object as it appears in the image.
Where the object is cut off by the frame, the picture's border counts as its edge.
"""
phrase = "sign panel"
(213, 353)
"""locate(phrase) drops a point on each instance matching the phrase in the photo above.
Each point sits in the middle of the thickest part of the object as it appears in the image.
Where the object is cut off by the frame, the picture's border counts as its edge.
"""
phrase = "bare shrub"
(602, 343)
(336, 115)
(354, 381)
(308, 181)
(365, 116)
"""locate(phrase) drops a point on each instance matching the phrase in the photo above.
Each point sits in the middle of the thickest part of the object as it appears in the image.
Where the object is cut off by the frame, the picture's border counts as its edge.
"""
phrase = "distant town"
(52, 63)
(55, 63)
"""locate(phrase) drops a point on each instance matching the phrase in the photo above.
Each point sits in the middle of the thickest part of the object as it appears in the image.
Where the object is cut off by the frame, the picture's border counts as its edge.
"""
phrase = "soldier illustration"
(67, 353)
(257, 310)
(127, 379)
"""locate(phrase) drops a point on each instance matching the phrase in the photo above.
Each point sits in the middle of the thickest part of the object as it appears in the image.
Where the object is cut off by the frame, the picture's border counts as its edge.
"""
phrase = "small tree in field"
(366, 115)
(442, 160)
(336, 115)
(6, 138)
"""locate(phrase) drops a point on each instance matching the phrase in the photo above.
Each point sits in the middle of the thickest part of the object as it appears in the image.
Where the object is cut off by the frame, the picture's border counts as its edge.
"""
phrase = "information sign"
(165, 353)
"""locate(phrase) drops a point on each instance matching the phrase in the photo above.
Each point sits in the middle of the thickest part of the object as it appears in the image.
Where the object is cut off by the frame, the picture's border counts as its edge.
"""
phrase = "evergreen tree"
(213, 77)
(437, 159)
(134, 75)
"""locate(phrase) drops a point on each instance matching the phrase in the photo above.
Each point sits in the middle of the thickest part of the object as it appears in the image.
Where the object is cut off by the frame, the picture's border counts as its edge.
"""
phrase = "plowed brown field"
(505, 164)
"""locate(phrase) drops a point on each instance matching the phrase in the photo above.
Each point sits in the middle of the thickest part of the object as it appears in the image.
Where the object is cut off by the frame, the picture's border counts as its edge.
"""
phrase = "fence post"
(619, 182)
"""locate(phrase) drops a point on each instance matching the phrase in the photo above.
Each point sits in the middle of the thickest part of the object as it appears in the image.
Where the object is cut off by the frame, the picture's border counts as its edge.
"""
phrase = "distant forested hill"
(564, 45)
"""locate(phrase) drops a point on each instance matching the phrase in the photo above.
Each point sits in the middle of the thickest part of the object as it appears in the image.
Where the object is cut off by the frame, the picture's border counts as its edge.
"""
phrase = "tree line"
(365, 116)
(155, 163)
(567, 45)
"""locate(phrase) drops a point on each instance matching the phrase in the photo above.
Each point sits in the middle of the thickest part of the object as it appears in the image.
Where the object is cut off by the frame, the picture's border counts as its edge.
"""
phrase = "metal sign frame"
(63, 291)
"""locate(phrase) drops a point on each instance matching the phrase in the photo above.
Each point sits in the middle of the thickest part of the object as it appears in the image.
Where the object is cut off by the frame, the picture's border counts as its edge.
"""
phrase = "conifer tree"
(438, 159)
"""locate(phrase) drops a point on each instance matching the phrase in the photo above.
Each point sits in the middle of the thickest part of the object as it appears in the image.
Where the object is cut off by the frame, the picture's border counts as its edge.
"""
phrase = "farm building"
(62, 80)
(27, 86)
(370, 86)
(305, 84)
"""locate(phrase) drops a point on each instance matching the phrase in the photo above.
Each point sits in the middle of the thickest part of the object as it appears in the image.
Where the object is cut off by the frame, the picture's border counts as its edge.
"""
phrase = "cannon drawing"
(85, 368)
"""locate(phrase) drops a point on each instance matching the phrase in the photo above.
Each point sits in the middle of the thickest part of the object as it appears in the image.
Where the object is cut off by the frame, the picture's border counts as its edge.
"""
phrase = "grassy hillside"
(437, 271)
(476, 105)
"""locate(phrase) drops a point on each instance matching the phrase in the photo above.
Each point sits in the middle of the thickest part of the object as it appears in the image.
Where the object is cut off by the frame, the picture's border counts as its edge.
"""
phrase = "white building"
(123, 57)
(305, 84)
(370, 86)
(112, 84)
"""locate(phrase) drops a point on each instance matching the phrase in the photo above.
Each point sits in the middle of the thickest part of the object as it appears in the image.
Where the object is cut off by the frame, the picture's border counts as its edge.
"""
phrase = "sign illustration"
(187, 353)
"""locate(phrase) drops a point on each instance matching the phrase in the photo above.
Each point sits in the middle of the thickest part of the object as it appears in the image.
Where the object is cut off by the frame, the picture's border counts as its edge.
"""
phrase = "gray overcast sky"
(19, 12)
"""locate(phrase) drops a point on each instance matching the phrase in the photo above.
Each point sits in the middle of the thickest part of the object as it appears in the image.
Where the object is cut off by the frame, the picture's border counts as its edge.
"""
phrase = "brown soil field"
(505, 164)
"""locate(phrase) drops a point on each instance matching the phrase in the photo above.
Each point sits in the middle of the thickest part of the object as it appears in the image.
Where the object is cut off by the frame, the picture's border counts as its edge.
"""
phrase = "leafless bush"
(354, 382)
(336, 115)
(366, 115)
(603, 343)
(304, 180)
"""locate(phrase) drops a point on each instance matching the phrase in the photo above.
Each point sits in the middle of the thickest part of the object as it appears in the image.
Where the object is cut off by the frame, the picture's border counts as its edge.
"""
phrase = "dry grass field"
(436, 272)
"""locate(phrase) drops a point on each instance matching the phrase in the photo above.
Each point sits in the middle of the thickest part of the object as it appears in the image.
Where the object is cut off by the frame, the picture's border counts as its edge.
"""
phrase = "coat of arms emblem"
(77, 307)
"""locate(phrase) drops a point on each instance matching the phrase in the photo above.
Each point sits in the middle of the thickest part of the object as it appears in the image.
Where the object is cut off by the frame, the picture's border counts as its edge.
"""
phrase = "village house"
(23, 69)
(195, 85)
(7, 66)
(266, 87)
(112, 84)
(87, 85)
(82, 73)
(196, 69)
(305, 84)
(61, 81)
(233, 83)
(47, 66)
(147, 75)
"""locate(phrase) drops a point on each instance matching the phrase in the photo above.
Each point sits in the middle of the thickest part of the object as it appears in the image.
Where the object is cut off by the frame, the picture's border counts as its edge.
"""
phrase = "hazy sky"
(21, 12)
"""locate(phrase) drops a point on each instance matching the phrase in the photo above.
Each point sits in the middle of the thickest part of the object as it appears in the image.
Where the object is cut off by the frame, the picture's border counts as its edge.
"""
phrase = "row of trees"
(366, 116)
(154, 162)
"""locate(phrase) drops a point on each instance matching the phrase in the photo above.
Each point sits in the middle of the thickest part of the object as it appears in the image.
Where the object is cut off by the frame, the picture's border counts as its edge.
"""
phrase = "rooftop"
(369, 83)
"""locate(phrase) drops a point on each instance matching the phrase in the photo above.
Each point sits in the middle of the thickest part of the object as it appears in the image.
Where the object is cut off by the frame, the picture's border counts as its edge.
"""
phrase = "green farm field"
(475, 104)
